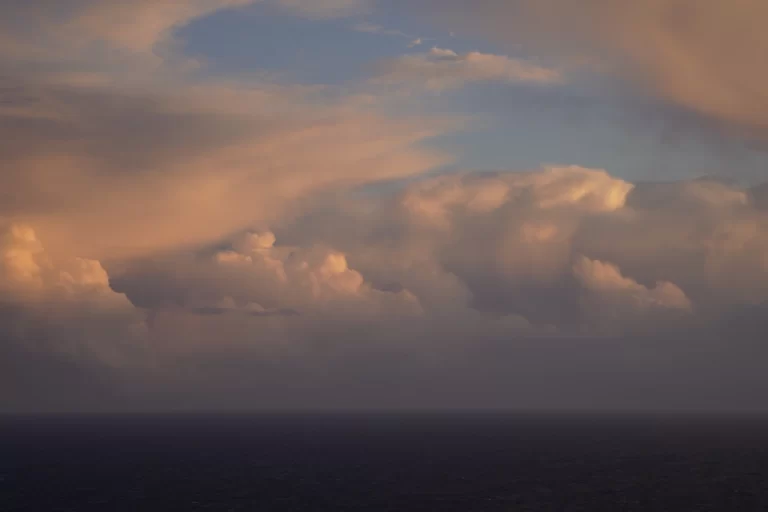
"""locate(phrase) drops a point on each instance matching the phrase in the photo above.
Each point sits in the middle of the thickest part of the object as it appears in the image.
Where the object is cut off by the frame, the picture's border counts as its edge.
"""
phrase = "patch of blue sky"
(305, 51)
(517, 127)
(524, 127)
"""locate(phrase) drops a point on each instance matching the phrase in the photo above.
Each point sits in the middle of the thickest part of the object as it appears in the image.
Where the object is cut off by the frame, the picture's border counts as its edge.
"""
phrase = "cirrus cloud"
(441, 69)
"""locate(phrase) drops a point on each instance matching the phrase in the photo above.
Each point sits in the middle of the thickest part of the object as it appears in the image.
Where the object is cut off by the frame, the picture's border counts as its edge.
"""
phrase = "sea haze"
(384, 462)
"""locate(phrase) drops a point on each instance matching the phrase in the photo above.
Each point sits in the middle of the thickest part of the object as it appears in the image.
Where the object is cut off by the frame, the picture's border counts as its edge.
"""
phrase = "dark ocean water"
(383, 463)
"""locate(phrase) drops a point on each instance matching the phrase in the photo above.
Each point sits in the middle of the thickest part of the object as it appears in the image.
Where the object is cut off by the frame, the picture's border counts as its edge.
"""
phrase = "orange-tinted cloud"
(706, 55)
(117, 174)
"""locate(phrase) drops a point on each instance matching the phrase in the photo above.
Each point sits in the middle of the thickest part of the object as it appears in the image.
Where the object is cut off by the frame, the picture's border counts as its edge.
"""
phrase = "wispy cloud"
(371, 28)
(441, 69)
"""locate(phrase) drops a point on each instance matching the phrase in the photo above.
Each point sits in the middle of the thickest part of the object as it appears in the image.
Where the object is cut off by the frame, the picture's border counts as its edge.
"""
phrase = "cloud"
(508, 242)
(307, 279)
(84, 36)
(537, 245)
(471, 284)
(441, 69)
(63, 307)
(174, 241)
(91, 105)
(556, 187)
(29, 272)
(606, 279)
(371, 28)
(200, 167)
(705, 56)
(139, 25)
(88, 34)
(616, 300)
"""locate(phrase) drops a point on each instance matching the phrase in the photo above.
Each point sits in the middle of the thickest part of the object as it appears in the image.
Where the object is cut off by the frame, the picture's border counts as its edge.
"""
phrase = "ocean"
(384, 462)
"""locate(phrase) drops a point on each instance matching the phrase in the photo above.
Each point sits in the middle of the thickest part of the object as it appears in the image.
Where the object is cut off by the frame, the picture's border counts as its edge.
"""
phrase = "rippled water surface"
(389, 462)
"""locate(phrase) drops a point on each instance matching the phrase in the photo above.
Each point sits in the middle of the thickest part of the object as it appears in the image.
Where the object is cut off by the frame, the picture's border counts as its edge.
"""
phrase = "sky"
(246, 205)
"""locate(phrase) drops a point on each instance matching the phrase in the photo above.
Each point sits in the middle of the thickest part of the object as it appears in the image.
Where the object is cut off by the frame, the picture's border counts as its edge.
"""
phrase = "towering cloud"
(477, 263)
(542, 245)
(63, 308)
(169, 235)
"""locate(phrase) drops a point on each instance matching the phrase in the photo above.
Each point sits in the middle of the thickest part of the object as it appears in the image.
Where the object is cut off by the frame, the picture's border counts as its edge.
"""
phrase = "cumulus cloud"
(462, 273)
(111, 153)
(605, 278)
(441, 69)
(163, 237)
(508, 243)
(590, 189)
(28, 270)
(21, 254)
(64, 306)
(448, 274)
(539, 245)
(614, 299)
(309, 279)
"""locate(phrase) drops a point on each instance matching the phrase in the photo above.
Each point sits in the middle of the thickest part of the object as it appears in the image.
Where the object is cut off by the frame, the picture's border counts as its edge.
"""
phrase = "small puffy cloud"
(442, 69)
(310, 279)
(606, 280)
(257, 275)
